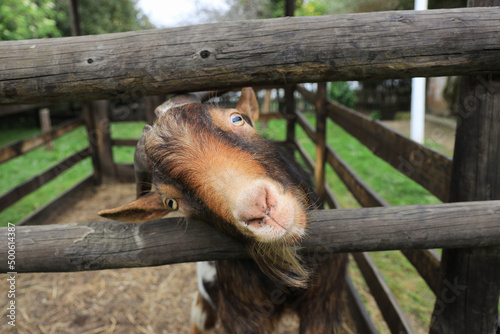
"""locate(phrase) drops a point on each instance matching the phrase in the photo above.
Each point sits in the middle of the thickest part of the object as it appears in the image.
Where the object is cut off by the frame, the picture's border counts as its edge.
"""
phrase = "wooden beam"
(425, 166)
(74, 18)
(305, 156)
(330, 198)
(67, 198)
(15, 194)
(319, 170)
(398, 44)
(427, 262)
(361, 317)
(46, 125)
(124, 142)
(102, 245)
(290, 112)
(98, 132)
(306, 126)
(270, 116)
(390, 309)
(363, 193)
(470, 284)
(423, 260)
(23, 146)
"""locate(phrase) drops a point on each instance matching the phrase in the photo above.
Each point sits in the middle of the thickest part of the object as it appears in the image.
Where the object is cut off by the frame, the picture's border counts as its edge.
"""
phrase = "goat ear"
(147, 207)
(247, 104)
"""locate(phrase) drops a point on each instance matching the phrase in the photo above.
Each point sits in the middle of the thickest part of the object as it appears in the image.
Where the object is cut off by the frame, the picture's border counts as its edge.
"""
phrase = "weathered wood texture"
(101, 245)
(290, 112)
(98, 132)
(46, 125)
(476, 176)
(258, 52)
(428, 167)
(319, 171)
(423, 260)
(64, 200)
(124, 142)
(428, 264)
(23, 146)
(358, 310)
(363, 193)
(15, 194)
(387, 303)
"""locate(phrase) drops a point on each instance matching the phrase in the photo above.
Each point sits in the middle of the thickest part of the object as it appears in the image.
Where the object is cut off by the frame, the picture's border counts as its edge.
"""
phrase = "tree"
(28, 19)
(50, 18)
(100, 17)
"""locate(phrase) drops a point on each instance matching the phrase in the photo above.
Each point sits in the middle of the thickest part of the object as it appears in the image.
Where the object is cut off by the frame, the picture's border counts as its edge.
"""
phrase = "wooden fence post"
(319, 170)
(97, 121)
(467, 301)
(151, 102)
(46, 125)
(290, 113)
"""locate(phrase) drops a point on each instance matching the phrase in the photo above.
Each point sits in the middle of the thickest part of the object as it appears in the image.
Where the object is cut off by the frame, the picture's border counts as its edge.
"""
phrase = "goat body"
(210, 164)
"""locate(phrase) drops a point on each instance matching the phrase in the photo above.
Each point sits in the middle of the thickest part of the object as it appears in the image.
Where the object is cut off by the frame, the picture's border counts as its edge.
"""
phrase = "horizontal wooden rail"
(429, 168)
(363, 193)
(330, 197)
(305, 156)
(387, 303)
(360, 314)
(124, 142)
(424, 261)
(27, 187)
(103, 245)
(258, 52)
(428, 264)
(270, 116)
(69, 197)
(306, 126)
(23, 146)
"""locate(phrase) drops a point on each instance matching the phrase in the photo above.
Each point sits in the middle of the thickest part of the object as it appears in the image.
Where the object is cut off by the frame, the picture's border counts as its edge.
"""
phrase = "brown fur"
(201, 161)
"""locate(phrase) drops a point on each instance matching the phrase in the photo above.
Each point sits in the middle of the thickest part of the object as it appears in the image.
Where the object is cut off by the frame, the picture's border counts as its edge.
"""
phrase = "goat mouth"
(285, 226)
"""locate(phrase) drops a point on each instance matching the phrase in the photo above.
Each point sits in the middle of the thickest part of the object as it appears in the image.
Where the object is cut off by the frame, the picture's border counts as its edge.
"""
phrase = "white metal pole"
(418, 97)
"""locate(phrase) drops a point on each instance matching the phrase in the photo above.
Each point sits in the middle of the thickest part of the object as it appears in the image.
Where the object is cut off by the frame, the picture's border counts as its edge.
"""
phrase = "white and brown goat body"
(210, 164)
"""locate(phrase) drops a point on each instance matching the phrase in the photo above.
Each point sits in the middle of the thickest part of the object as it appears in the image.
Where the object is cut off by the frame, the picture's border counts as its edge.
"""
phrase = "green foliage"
(342, 93)
(320, 7)
(376, 115)
(100, 17)
(50, 18)
(28, 19)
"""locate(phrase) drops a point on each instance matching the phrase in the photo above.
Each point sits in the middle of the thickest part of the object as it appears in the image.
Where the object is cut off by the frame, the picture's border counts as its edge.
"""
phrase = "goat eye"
(171, 203)
(237, 119)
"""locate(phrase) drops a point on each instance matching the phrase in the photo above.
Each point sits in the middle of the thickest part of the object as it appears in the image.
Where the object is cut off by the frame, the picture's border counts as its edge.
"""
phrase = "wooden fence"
(344, 47)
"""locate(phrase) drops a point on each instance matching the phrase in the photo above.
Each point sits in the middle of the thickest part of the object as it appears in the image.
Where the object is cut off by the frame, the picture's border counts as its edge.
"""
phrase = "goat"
(210, 164)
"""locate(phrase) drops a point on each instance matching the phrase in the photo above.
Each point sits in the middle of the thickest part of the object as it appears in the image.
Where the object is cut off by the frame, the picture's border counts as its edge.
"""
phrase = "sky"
(172, 13)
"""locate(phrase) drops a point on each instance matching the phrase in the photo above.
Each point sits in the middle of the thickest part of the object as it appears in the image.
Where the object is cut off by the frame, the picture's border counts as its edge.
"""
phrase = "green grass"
(20, 169)
(23, 168)
(125, 130)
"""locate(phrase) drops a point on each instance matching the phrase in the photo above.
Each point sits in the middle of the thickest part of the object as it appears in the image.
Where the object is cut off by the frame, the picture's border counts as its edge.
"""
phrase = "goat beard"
(281, 262)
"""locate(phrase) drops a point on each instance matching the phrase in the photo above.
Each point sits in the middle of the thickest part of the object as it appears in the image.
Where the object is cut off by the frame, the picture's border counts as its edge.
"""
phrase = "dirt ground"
(140, 300)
